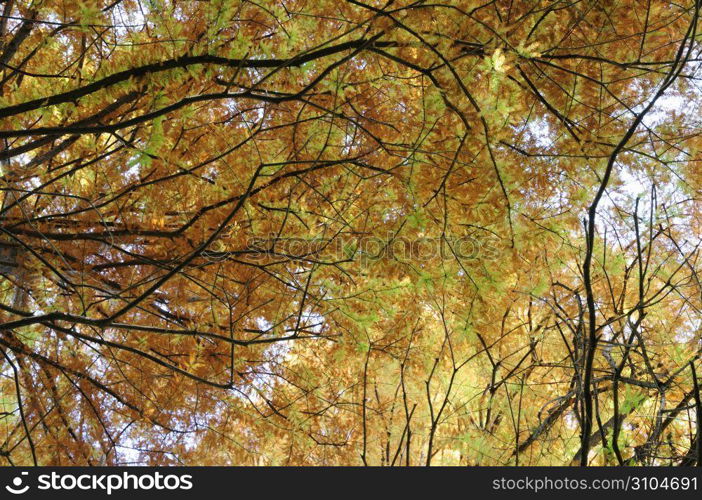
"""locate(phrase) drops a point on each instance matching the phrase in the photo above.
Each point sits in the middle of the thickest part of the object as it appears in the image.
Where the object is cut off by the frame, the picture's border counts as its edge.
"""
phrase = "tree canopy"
(380, 232)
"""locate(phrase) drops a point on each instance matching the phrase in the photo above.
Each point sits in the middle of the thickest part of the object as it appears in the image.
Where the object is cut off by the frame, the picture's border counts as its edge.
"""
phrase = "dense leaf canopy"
(350, 232)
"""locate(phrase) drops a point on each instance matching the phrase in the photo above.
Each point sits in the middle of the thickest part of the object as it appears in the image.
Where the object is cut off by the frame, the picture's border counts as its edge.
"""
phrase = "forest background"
(290, 232)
